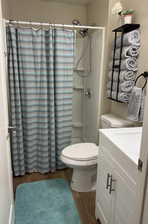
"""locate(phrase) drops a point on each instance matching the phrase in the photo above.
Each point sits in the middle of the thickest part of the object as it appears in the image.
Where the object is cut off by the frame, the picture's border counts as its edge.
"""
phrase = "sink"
(128, 140)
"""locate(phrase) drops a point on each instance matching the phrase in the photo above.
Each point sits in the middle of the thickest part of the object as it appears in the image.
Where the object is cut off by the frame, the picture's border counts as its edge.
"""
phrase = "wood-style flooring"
(85, 202)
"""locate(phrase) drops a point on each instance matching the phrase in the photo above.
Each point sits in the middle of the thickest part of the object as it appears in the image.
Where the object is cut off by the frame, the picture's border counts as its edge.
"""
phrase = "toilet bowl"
(82, 157)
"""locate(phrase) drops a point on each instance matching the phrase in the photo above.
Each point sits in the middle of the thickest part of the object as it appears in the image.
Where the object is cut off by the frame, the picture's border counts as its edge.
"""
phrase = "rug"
(45, 202)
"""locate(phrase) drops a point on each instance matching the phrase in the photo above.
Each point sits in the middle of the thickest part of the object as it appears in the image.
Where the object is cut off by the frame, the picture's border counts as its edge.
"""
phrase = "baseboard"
(11, 214)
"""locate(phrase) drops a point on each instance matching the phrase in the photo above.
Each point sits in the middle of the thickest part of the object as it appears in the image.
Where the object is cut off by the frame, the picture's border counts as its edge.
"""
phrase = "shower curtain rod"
(52, 24)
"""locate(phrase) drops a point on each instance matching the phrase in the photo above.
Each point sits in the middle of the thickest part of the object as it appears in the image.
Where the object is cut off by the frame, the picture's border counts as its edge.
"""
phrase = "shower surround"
(87, 79)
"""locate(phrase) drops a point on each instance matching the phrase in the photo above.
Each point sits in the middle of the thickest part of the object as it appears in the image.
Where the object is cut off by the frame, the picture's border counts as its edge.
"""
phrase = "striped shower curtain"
(40, 71)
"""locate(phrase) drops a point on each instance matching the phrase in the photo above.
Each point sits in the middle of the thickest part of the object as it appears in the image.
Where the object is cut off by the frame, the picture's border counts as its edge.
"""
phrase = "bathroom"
(32, 196)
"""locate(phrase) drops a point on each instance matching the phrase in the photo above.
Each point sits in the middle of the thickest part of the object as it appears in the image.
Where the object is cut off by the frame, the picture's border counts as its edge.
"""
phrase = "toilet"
(82, 157)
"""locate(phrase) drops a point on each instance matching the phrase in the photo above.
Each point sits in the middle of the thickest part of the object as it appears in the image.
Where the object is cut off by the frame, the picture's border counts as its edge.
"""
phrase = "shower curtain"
(40, 71)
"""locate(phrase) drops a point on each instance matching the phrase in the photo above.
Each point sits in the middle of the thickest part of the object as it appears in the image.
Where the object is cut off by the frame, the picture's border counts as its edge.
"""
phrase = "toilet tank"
(113, 121)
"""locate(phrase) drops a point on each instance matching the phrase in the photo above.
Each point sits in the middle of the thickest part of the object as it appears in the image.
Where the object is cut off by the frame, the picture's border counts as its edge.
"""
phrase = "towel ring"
(145, 75)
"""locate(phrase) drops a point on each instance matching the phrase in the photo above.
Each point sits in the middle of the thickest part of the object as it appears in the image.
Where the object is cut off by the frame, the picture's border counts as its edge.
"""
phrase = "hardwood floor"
(85, 202)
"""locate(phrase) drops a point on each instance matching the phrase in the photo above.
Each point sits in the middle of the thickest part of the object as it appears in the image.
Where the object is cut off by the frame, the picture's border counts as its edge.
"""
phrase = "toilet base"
(84, 179)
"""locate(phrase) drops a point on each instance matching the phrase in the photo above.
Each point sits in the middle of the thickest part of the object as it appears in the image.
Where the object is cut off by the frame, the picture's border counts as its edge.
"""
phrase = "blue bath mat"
(45, 202)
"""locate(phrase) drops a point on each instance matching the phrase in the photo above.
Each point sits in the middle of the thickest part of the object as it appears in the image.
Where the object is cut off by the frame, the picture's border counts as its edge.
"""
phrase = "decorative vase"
(127, 19)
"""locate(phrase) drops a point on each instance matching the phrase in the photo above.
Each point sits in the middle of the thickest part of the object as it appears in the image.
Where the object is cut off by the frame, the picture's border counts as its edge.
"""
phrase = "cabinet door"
(124, 199)
(103, 198)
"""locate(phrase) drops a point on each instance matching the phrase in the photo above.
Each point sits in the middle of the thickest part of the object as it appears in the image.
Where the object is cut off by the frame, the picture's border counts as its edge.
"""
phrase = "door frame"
(142, 176)
(4, 110)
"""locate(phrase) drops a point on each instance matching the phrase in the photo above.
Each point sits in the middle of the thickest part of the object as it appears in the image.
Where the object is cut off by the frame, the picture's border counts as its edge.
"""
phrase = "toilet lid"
(81, 151)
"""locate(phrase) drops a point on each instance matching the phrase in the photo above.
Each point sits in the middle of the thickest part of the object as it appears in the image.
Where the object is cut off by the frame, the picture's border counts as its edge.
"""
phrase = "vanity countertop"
(127, 140)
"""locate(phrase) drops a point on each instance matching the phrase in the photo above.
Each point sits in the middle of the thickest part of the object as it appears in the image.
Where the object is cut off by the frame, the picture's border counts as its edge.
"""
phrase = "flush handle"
(140, 164)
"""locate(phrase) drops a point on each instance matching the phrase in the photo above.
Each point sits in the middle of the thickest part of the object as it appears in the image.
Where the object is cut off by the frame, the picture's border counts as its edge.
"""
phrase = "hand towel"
(141, 113)
(126, 64)
(123, 97)
(124, 76)
(130, 38)
(123, 87)
(135, 103)
(128, 51)
(82, 57)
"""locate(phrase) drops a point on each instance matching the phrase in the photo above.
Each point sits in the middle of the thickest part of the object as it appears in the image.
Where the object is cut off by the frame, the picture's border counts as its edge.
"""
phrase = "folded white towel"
(124, 76)
(123, 97)
(123, 86)
(126, 64)
(136, 104)
(130, 38)
(128, 51)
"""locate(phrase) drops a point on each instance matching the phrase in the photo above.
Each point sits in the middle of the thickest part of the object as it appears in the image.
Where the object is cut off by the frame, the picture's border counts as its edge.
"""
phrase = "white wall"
(46, 11)
(5, 8)
(145, 216)
(97, 12)
(140, 17)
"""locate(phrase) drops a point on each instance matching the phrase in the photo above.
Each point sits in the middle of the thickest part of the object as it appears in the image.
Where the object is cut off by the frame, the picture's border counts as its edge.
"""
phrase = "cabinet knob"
(108, 181)
(111, 184)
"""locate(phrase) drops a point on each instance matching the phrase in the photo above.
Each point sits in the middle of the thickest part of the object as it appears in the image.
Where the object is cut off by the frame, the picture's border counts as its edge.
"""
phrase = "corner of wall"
(5, 9)
(97, 13)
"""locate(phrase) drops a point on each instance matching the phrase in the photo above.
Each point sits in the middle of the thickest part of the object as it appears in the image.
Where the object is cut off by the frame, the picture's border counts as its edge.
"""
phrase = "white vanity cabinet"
(116, 184)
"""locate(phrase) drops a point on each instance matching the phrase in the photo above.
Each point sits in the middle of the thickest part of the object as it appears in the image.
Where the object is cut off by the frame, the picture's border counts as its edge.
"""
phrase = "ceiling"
(78, 2)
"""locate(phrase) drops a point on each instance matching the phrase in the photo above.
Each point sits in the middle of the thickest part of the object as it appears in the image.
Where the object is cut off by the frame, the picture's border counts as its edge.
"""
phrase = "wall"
(145, 215)
(5, 8)
(140, 17)
(97, 12)
(46, 11)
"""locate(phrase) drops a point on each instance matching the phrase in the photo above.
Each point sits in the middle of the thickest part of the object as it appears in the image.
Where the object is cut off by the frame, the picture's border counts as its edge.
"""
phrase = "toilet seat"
(82, 152)
(77, 163)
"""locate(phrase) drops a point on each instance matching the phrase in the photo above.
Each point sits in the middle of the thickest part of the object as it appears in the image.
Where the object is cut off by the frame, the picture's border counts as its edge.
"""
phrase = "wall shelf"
(127, 28)
(123, 30)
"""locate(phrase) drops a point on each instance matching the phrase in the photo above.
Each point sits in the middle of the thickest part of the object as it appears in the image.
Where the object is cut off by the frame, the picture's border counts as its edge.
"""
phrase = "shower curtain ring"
(30, 23)
(50, 25)
(18, 24)
(74, 30)
(41, 25)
